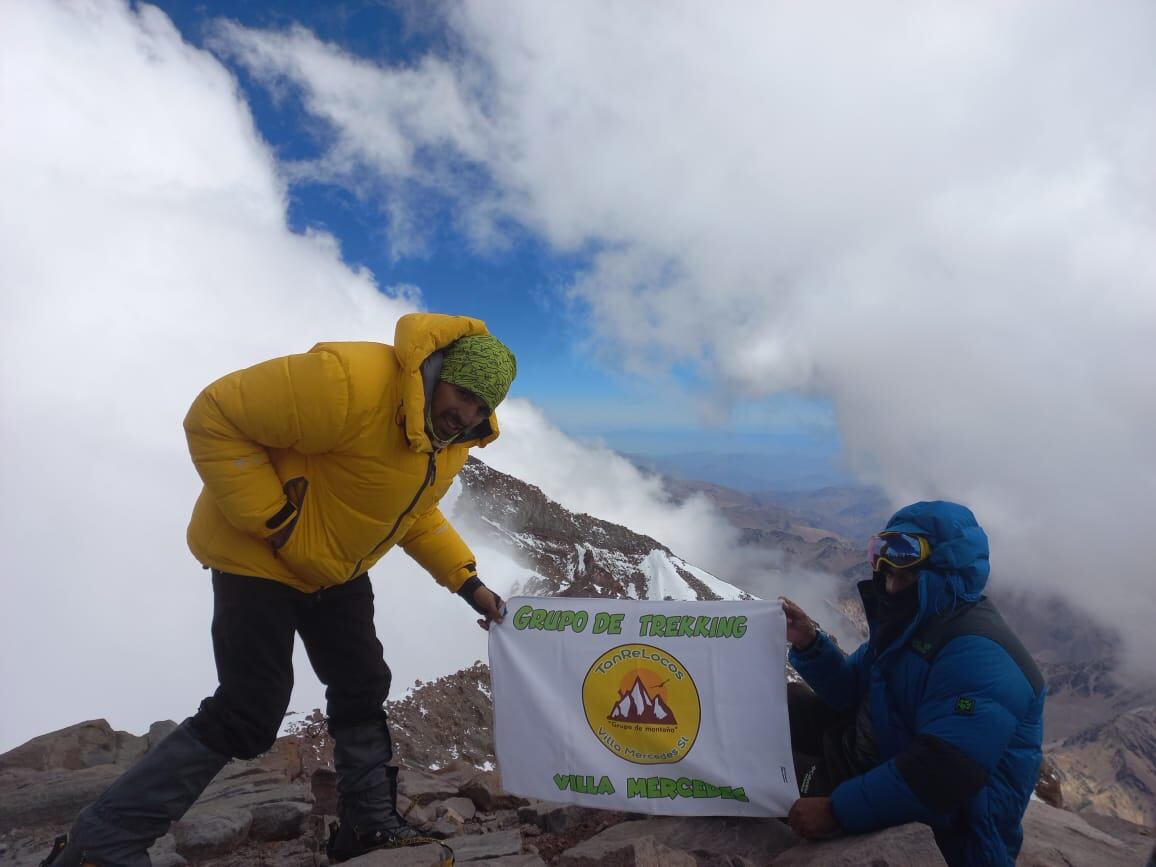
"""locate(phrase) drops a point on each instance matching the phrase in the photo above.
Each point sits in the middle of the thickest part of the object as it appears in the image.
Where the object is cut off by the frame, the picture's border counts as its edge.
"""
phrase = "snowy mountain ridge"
(569, 554)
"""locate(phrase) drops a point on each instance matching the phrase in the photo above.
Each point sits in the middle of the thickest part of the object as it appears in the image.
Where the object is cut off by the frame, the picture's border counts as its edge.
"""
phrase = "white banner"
(675, 708)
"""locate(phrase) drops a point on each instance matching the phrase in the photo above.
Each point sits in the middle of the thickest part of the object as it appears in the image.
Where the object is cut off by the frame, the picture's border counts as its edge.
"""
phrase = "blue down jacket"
(959, 733)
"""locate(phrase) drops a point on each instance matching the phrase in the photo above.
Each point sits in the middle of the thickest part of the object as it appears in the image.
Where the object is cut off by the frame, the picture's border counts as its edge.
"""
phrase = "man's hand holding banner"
(675, 708)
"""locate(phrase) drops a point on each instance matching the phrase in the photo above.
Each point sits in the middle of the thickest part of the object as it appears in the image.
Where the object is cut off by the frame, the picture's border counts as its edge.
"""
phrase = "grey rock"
(244, 785)
(904, 846)
(407, 856)
(479, 847)
(484, 788)
(51, 778)
(160, 730)
(450, 815)
(205, 834)
(464, 807)
(30, 797)
(499, 820)
(423, 788)
(163, 853)
(290, 853)
(637, 852)
(554, 818)
(446, 827)
(530, 813)
(417, 815)
(1137, 837)
(1053, 836)
(721, 837)
(84, 745)
(517, 861)
(279, 821)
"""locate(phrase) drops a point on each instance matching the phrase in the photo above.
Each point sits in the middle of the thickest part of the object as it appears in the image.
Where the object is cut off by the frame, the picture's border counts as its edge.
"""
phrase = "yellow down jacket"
(342, 427)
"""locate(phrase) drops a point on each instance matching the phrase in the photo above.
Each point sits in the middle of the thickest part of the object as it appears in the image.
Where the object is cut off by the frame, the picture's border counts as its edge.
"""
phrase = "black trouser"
(254, 623)
(816, 737)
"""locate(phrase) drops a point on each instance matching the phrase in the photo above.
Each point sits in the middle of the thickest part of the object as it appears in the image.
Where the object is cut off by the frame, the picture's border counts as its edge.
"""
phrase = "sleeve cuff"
(466, 591)
(815, 648)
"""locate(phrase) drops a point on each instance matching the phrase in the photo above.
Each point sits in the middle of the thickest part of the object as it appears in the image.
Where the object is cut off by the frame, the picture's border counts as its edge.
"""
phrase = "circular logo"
(642, 704)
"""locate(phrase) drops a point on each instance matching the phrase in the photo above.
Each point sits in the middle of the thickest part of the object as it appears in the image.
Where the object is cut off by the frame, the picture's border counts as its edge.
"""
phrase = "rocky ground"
(276, 811)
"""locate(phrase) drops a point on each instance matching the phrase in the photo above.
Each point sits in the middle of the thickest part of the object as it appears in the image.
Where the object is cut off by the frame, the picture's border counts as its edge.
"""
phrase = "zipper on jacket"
(430, 474)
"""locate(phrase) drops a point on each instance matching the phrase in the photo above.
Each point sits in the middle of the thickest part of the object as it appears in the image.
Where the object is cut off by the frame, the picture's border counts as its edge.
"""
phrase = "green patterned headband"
(482, 364)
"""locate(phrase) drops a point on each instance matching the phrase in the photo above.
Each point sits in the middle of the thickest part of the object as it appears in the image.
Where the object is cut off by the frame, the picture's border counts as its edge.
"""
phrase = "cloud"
(146, 252)
(936, 217)
(590, 479)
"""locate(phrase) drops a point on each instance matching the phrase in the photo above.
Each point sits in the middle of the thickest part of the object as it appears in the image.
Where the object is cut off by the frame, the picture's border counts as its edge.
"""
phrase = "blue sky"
(521, 288)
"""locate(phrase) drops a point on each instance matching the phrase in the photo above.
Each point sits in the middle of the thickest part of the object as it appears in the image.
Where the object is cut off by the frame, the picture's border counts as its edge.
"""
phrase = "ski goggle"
(897, 550)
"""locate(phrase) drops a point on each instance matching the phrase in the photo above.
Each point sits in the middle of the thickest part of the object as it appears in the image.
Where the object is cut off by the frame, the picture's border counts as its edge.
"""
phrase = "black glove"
(466, 591)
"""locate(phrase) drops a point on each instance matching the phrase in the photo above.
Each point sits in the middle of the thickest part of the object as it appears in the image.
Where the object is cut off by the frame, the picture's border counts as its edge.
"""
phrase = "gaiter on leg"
(117, 829)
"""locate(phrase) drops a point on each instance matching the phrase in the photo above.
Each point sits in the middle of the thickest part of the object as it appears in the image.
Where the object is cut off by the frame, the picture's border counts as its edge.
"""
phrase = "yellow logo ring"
(642, 704)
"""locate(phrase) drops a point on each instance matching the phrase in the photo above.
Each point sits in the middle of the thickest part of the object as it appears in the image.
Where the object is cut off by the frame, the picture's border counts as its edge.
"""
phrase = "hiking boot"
(118, 828)
(345, 842)
(367, 793)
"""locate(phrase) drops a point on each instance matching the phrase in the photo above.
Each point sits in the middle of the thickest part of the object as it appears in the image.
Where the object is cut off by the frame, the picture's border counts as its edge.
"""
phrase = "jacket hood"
(959, 549)
(417, 337)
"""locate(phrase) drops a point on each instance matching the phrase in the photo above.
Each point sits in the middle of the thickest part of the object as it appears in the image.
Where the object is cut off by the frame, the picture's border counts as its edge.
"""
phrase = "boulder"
(1054, 836)
(721, 837)
(160, 730)
(904, 846)
(445, 827)
(205, 834)
(244, 785)
(485, 847)
(463, 807)
(163, 853)
(484, 788)
(84, 745)
(282, 820)
(634, 852)
(29, 797)
(555, 818)
(407, 856)
(424, 787)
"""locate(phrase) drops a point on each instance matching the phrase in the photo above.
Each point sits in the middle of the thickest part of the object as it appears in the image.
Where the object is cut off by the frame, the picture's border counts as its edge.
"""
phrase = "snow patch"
(663, 579)
(716, 585)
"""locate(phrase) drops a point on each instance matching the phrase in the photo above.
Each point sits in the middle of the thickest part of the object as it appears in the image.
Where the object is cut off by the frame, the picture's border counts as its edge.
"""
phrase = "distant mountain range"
(795, 470)
(851, 512)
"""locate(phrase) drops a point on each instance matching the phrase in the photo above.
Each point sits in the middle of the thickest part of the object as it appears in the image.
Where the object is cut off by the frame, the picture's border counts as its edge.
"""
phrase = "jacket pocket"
(295, 490)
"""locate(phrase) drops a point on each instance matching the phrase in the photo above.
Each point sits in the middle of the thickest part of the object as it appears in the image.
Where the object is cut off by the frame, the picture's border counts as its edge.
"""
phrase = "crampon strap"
(446, 858)
(447, 854)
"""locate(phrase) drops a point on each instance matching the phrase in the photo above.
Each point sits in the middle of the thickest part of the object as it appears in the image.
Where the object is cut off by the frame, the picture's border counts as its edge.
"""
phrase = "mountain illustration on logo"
(637, 706)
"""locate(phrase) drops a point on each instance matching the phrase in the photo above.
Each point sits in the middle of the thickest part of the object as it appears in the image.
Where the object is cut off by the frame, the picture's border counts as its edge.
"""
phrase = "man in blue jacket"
(938, 717)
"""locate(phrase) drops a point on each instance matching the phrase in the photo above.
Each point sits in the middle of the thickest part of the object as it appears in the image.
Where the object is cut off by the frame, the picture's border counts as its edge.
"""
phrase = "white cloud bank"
(938, 216)
(144, 252)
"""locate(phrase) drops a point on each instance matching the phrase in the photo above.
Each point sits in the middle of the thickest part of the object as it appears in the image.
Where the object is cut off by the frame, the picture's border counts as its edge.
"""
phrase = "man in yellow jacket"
(314, 466)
